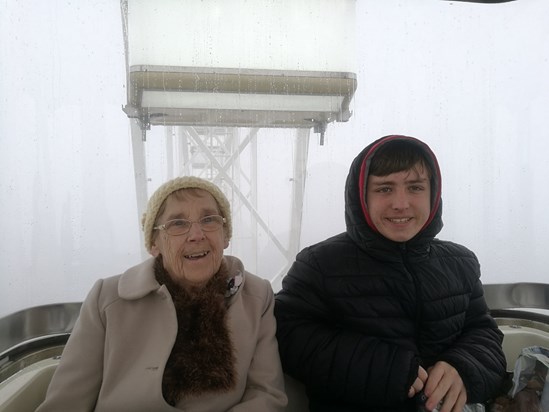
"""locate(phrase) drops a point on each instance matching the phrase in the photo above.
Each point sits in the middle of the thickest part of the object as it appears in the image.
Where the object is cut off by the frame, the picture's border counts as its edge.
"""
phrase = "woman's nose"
(195, 232)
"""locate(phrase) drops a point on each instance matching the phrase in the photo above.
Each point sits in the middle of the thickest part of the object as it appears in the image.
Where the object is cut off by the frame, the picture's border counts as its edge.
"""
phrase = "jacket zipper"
(418, 307)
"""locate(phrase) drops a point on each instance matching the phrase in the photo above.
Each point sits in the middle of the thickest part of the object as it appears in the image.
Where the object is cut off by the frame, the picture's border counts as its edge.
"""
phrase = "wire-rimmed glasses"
(178, 227)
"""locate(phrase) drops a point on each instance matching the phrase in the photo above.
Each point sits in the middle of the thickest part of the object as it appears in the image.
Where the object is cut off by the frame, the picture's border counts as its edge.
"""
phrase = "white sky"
(469, 79)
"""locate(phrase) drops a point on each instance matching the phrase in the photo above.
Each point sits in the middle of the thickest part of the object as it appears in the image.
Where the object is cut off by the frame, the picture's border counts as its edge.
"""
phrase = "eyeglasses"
(177, 227)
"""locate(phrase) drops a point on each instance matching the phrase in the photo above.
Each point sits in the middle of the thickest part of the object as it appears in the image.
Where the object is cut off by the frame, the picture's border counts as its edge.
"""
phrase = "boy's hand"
(418, 384)
(444, 384)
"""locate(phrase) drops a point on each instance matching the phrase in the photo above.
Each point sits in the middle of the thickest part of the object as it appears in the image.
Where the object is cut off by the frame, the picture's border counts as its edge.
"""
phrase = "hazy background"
(471, 80)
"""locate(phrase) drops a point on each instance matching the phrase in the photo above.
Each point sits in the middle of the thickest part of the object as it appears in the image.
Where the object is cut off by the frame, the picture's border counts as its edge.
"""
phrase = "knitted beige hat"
(185, 182)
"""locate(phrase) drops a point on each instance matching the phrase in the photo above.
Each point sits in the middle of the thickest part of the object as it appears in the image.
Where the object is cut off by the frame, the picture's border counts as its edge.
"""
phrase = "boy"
(377, 316)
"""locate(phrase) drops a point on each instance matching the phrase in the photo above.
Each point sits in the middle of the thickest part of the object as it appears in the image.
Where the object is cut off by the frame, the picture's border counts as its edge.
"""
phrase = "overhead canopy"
(288, 63)
(269, 98)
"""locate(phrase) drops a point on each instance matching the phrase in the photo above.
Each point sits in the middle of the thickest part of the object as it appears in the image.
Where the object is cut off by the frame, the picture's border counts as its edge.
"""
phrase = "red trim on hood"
(438, 195)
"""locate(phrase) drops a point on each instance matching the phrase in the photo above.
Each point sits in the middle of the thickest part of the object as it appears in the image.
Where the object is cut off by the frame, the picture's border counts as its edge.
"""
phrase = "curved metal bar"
(519, 318)
(517, 295)
(42, 322)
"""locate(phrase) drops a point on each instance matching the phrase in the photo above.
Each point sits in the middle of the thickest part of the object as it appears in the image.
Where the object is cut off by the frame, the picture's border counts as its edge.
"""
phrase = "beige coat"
(115, 357)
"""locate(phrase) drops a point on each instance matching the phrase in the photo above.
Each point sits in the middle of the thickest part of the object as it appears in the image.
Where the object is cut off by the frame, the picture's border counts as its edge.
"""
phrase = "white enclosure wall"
(469, 79)
(235, 34)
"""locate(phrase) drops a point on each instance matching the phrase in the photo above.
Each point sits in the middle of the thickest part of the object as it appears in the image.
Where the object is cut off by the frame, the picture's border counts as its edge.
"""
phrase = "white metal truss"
(214, 153)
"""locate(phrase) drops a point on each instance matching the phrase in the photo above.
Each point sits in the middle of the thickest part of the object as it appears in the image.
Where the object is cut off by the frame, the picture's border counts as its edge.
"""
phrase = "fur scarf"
(202, 358)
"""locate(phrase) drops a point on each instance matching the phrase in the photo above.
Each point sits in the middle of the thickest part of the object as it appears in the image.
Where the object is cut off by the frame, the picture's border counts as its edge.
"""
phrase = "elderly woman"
(188, 330)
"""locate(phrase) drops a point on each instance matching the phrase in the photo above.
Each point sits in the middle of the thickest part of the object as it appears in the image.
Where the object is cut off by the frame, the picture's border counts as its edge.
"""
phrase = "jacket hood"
(358, 221)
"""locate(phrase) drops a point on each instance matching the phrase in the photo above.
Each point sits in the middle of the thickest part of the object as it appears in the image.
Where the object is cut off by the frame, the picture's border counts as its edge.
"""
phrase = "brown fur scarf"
(202, 358)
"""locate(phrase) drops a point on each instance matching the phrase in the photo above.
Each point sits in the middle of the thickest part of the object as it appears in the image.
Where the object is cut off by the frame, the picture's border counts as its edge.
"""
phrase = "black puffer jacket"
(359, 313)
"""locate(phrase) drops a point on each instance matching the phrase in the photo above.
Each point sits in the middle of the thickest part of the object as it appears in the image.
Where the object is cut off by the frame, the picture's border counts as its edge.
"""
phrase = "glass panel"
(470, 79)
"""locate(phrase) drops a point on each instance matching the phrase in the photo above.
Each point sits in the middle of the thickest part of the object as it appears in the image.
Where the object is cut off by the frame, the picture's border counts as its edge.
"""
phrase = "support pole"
(140, 175)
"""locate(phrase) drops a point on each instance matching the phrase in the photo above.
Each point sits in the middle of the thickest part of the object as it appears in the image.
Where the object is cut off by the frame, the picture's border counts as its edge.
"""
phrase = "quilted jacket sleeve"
(477, 354)
(334, 362)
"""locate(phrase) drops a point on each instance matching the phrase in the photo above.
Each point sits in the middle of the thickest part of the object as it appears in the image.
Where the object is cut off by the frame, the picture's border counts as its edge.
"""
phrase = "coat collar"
(138, 281)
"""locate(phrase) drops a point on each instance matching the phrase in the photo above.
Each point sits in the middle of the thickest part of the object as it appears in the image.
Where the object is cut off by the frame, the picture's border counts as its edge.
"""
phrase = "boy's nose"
(400, 200)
